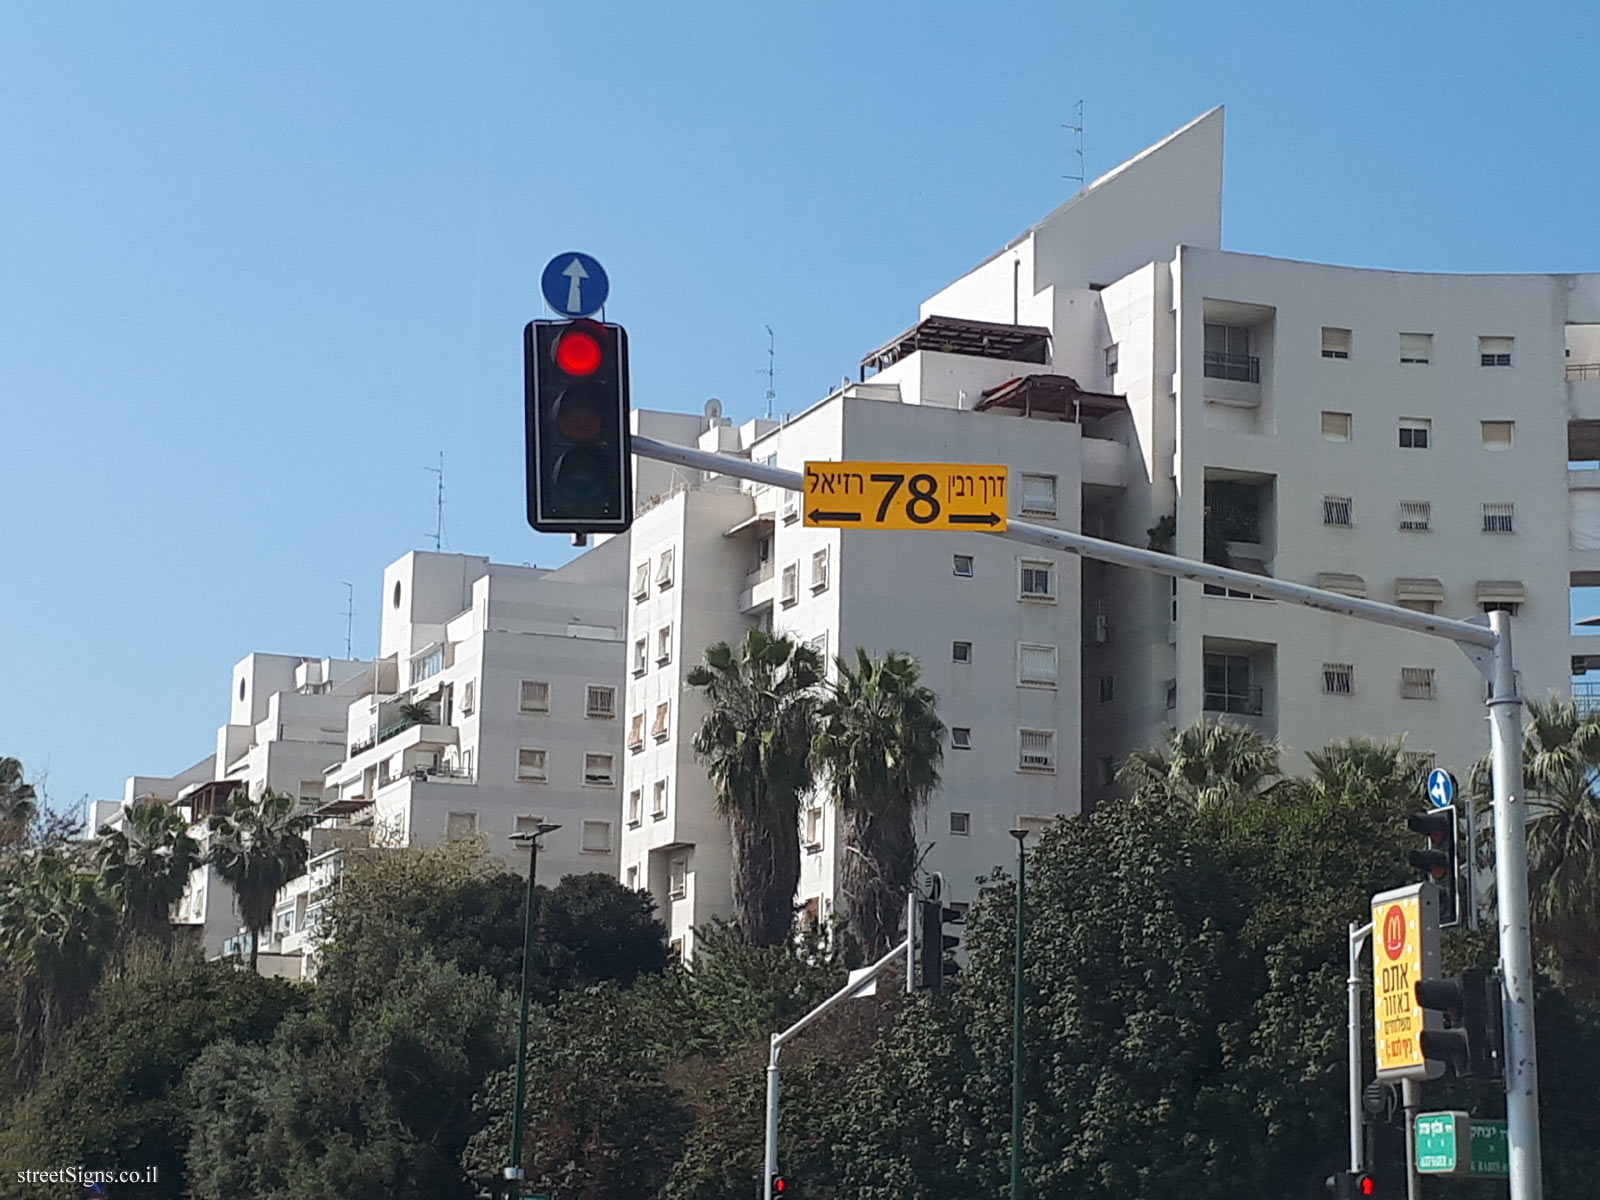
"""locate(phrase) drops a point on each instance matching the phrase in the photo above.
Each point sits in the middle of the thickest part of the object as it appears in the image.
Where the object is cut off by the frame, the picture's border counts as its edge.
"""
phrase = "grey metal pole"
(1358, 935)
(770, 1158)
(1511, 901)
(1411, 1105)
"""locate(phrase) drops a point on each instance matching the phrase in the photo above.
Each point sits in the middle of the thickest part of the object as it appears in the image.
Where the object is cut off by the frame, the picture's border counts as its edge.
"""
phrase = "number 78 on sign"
(901, 495)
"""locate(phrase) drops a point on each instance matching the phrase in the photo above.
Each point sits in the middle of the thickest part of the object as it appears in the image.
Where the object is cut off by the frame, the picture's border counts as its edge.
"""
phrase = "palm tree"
(756, 745)
(881, 742)
(1358, 769)
(55, 927)
(416, 712)
(257, 846)
(1208, 764)
(18, 803)
(145, 865)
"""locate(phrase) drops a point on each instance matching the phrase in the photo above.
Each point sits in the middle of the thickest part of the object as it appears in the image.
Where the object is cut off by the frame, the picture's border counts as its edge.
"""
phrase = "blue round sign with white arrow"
(1441, 788)
(574, 284)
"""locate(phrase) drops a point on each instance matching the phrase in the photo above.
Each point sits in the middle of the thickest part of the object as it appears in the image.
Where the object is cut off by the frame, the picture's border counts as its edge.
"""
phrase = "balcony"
(1243, 702)
(1239, 368)
(1583, 390)
(1587, 698)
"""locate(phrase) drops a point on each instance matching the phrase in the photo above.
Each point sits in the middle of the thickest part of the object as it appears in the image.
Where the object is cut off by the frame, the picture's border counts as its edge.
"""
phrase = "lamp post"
(1016, 1020)
(514, 1174)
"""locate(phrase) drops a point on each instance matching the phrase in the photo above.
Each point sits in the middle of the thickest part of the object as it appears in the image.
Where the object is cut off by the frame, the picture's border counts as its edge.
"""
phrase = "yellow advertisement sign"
(1405, 926)
(899, 495)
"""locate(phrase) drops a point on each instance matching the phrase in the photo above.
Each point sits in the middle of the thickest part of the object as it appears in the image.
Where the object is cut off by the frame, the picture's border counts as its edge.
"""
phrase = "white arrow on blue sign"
(574, 284)
(1441, 788)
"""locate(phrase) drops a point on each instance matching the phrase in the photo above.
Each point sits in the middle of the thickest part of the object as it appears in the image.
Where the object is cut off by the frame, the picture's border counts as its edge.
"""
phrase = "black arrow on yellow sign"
(974, 518)
(818, 515)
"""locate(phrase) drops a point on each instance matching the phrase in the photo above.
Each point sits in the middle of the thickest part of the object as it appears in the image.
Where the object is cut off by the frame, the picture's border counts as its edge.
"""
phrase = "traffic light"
(1470, 1043)
(783, 1187)
(935, 944)
(1440, 862)
(580, 466)
(1351, 1185)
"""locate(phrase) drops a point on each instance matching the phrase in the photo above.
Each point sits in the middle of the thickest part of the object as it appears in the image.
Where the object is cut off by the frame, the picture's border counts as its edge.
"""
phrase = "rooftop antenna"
(349, 615)
(1077, 129)
(438, 523)
(772, 371)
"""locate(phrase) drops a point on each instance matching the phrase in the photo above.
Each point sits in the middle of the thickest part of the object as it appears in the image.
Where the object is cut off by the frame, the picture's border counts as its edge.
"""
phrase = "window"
(1335, 426)
(635, 807)
(1499, 518)
(813, 828)
(678, 879)
(596, 837)
(641, 580)
(658, 799)
(1036, 665)
(1420, 605)
(1111, 362)
(1497, 434)
(535, 696)
(791, 584)
(1509, 607)
(636, 732)
(664, 570)
(819, 570)
(1335, 342)
(1036, 750)
(1494, 351)
(599, 769)
(1039, 494)
(529, 824)
(1419, 594)
(427, 665)
(1414, 433)
(961, 565)
(1108, 771)
(1172, 694)
(1415, 515)
(469, 697)
(1107, 689)
(460, 826)
(531, 766)
(1416, 683)
(1227, 354)
(639, 666)
(961, 652)
(791, 507)
(659, 729)
(1336, 511)
(601, 704)
(1416, 348)
(1338, 679)
(1227, 685)
(819, 644)
(1038, 580)
(633, 879)
(961, 824)
(960, 737)
(664, 645)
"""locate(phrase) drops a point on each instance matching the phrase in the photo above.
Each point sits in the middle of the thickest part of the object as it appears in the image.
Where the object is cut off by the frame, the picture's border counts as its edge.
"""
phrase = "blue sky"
(261, 264)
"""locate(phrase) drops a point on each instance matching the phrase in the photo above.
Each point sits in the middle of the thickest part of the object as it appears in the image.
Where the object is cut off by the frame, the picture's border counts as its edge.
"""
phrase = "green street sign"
(1452, 1143)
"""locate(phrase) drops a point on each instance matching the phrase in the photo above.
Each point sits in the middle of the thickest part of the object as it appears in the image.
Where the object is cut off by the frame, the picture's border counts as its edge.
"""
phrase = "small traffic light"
(781, 1187)
(1470, 1042)
(580, 466)
(1440, 862)
(935, 944)
(1351, 1185)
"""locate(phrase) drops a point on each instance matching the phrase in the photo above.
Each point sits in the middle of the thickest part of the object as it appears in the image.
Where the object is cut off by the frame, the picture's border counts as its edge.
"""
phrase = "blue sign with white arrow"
(574, 284)
(1441, 788)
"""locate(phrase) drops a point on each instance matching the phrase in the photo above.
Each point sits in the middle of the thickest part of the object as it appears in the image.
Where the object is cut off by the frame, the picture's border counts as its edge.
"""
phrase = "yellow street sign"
(900, 495)
(1405, 948)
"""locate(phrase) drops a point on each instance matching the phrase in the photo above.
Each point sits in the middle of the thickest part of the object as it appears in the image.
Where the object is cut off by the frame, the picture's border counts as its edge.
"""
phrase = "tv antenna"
(1077, 129)
(438, 522)
(349, 615)
(771, 371)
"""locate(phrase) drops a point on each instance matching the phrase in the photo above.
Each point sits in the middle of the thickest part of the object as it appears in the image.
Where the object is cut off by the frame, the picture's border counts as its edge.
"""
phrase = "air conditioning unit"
(1100, 627)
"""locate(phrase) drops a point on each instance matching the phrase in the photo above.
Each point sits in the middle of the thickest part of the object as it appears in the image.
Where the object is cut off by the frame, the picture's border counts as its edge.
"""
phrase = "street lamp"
(1016, 1021)
(529, 839)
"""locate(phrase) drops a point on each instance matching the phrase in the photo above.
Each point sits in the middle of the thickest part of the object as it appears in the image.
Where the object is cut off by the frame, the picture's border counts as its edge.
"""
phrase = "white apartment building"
(1430, 440)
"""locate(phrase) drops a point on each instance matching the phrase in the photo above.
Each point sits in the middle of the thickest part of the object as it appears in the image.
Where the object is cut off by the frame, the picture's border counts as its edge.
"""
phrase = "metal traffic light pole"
(1490, 651)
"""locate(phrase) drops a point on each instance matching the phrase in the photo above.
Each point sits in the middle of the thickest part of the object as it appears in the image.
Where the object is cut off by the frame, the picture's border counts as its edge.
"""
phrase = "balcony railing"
(1244, 703)
(1583, 371)
(1587, 698)
(1241, 368)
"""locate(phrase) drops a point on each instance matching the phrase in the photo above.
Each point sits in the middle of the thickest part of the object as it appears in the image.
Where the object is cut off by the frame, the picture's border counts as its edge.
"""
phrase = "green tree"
(257, 846)
(755, 742)
(55, 929)
(145, 866)
(19, 803)
(1207, 764)
(113, 1096)
(880, 743)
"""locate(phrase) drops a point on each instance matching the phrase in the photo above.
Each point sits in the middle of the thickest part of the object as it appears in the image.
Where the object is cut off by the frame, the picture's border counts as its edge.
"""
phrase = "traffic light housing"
(1470, 1044)
(1352, 1185)
(580, 464)
(934, 944)
(782, 1188)
(1440, 861)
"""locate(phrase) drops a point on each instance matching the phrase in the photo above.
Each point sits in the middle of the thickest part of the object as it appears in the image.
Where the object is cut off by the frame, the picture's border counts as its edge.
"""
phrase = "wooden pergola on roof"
(1050, 395)
(951, 335)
